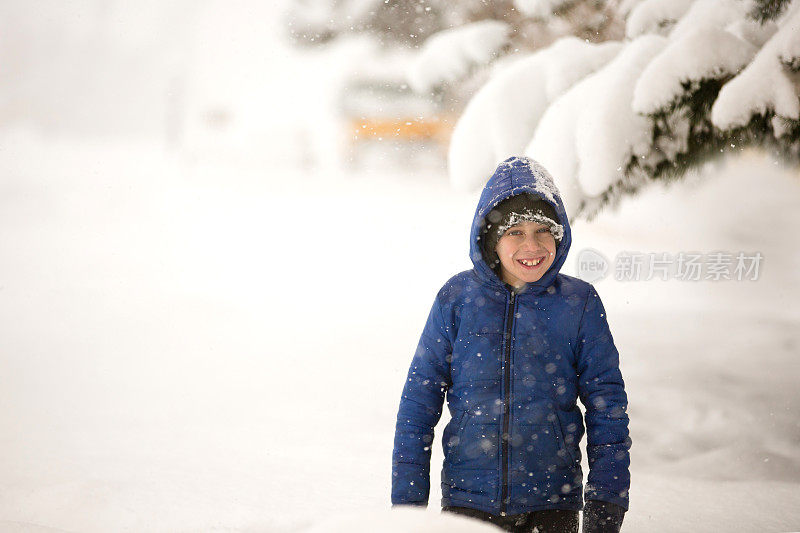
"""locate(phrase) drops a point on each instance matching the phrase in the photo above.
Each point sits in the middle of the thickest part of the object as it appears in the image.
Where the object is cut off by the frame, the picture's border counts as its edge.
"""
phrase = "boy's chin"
(522, 277)
(531, 279)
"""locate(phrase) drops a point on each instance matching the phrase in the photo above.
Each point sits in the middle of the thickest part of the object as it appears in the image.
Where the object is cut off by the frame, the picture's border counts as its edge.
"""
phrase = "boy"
(514, 343)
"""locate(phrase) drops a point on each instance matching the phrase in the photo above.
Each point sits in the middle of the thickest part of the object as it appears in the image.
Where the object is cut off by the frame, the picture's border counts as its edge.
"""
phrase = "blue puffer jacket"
(512, 367)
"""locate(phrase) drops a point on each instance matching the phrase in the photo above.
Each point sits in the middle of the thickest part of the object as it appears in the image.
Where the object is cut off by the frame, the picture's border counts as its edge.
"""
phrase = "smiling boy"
(513, 344)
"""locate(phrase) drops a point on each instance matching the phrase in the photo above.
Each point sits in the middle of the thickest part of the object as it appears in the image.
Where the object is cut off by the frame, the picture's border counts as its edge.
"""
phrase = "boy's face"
(526, 251)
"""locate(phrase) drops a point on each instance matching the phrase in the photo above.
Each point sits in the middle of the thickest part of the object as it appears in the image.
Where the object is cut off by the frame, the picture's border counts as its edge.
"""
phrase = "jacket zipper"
(505, 436)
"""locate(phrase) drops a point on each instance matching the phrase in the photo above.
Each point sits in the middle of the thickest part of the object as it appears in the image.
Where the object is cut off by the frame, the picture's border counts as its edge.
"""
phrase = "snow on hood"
(517, 175)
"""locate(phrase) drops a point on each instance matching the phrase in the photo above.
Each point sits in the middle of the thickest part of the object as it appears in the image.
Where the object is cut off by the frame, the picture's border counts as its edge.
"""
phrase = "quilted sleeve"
(420, 410)
(602, 392)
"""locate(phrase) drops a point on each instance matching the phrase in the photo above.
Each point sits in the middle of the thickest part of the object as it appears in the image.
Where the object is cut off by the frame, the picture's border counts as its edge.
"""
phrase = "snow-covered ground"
(224, 350)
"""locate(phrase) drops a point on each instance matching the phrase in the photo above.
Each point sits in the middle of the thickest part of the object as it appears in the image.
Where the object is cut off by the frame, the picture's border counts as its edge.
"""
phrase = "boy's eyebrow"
(521, 224)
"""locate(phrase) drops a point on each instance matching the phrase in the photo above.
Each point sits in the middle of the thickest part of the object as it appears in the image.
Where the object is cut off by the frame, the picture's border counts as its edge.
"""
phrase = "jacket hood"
(517, 175)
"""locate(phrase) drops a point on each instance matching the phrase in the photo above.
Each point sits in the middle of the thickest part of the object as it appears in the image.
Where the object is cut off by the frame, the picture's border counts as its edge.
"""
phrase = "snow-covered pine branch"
(589, 136)
(502, 117)
(655, 16)
(693, 79)
(722, 83)
(450, 55)
(767, 88)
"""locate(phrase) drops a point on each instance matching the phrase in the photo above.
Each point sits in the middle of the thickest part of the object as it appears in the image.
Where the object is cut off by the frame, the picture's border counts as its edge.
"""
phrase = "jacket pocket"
(454, 433)
(471, 443)
(567, 448)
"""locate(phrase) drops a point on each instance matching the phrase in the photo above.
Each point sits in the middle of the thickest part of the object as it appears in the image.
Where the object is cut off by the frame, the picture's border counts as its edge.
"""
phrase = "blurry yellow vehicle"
(389, 116)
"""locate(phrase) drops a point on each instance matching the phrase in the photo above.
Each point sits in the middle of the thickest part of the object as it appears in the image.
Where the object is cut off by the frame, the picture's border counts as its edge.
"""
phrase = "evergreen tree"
(692, 80)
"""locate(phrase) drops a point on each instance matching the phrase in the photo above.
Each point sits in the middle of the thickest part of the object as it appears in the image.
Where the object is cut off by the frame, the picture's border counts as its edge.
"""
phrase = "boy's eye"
(514, 232)
(544, 230)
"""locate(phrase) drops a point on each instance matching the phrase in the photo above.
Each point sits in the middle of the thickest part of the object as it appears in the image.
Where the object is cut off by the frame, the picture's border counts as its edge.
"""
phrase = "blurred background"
(222, 225)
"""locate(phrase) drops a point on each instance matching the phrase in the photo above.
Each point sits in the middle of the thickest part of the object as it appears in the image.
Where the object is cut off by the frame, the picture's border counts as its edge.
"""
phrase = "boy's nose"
(534, 241)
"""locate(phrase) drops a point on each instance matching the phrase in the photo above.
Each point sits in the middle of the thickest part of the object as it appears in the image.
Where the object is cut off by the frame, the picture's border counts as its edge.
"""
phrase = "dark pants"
(547, 521)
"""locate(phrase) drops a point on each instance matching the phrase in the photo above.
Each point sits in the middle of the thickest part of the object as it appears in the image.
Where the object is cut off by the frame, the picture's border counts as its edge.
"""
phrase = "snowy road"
(226, 351)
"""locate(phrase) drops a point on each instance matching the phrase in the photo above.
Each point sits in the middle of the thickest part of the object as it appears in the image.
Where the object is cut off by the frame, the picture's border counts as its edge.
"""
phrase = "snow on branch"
(710, 14)
(755, 33)
(769, 84)
(718, 80)
(679, 70)
(451, 54)
(501, 118)
(588, 137)
(655, 16)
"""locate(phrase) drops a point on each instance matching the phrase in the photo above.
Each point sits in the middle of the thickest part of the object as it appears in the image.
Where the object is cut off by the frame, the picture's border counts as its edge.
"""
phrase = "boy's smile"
(526, 252)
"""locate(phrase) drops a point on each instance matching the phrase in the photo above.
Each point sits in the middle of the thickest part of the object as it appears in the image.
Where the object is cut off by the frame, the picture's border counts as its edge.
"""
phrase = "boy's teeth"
(531, 263)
